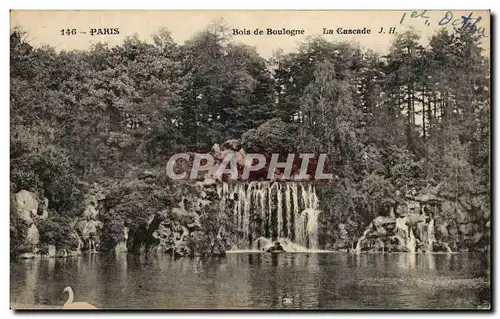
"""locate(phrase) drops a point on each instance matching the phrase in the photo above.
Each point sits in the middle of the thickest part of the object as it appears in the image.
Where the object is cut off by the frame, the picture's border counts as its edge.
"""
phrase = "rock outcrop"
(33, 236)
(27, 205)
(33, 210)
(427, 223)
(30, 207)
(88, 226)
(178, 231)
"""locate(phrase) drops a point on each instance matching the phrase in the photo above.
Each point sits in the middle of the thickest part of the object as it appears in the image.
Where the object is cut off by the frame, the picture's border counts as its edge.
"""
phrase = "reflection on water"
(258, 280)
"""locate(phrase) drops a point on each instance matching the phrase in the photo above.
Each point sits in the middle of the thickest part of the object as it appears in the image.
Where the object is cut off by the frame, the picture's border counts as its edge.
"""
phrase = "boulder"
(383, 220)
(413, 219)
(380, 231)
(427, 198)
(216, 148)
(43, 209)
(395, 234)
(442, 231)
(262, 244)
(181, 250)
(191, 219)
(232, 144)
(32, 236)
(413, 207)
(26, 256)
(209, 181)
(27, 205)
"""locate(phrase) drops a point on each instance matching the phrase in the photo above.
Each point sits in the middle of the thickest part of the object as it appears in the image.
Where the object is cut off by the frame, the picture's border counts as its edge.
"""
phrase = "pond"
(257, 281)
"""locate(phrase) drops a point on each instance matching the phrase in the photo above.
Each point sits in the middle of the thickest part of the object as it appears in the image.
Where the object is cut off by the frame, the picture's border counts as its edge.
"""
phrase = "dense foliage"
(392, 125)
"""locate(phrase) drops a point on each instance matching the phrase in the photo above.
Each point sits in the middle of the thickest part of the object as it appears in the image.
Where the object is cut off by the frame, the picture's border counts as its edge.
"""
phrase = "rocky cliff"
(213, 216)
(427, 223)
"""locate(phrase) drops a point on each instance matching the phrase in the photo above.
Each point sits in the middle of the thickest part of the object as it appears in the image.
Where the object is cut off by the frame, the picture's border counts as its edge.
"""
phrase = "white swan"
(75, 305)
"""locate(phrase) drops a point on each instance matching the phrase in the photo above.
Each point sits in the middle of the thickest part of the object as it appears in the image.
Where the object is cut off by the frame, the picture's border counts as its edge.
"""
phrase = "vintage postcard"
(335, 160)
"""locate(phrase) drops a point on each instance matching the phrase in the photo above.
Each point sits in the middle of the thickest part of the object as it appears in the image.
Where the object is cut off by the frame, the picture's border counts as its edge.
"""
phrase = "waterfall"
(430, 236)
(411, 243)
(358, 245)
(406, 236)
(263, 219)
(288, 202)
(279, 211)
(312, 227)
(448, 249)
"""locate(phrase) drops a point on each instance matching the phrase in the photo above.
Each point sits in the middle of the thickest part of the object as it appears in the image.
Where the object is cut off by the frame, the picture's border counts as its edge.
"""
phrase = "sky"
(44, 26)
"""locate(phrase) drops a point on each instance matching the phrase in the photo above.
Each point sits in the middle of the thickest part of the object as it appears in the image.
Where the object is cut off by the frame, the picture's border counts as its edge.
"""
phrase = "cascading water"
(407, 235)
(430, 236)
(360, 240)
(411, 242)
(285, 211)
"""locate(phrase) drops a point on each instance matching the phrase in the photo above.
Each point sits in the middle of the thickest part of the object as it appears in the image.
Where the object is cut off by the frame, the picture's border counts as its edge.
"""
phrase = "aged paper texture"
(335, 160)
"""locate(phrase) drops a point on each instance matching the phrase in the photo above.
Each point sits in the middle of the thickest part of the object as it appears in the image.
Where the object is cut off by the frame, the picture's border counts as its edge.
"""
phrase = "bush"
(18, 232)
(112, 232)
(272, 136)
(57, 231)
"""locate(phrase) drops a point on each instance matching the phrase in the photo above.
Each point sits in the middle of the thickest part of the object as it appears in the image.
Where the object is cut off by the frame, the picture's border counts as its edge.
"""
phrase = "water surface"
(258, 280)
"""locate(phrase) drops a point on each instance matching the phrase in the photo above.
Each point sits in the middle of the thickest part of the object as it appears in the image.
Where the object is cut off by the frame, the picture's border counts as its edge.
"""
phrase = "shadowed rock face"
(87, 227)
(425, 223)
(415, 227)
(412, 220)
(178, 231)
(408, 233)
(33, 237)
(30, 207)
(26, 204)
(429, 225)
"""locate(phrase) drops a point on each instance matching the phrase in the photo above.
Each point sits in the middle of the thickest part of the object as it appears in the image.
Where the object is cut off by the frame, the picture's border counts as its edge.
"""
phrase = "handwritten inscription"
(467, 22)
